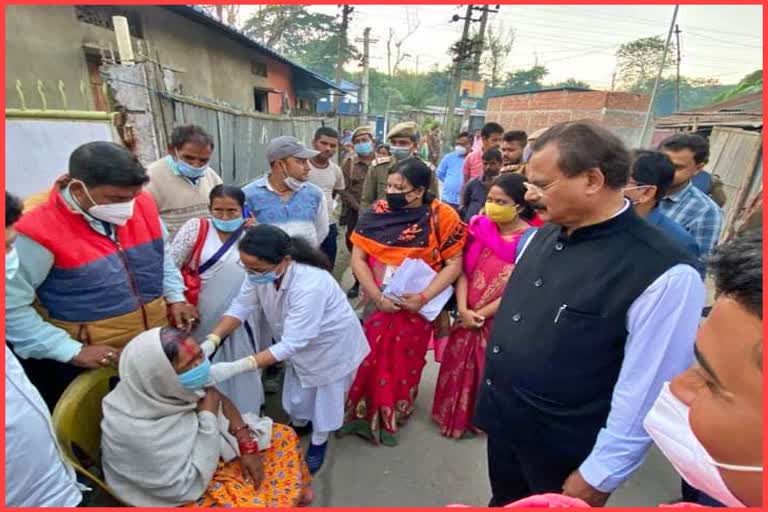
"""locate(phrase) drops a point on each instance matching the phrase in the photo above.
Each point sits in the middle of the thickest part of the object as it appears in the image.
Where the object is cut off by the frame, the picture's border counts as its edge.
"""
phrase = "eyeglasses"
(539, 191)
(635, 186)
(252, 272)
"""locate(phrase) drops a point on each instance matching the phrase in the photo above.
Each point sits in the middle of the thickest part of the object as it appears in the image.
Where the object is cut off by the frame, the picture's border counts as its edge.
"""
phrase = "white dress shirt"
(661, 324)
(35, 474)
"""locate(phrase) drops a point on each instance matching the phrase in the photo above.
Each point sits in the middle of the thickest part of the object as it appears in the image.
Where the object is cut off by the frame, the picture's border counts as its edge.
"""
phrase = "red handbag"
(189, 272)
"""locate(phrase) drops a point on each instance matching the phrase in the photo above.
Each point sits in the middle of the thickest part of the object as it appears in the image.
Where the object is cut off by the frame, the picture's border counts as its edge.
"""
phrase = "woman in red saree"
(488, 262)
(410, 223)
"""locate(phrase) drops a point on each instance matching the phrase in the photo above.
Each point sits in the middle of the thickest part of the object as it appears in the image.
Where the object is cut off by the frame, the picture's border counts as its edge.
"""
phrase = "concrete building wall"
(621, 112)
(45, 42)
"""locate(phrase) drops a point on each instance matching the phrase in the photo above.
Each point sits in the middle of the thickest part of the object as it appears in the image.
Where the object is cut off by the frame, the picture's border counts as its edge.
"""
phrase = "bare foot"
(306, 497)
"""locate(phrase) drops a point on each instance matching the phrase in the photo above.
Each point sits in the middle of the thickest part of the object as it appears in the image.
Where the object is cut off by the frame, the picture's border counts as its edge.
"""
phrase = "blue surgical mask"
(187, 170)
(400, 152)
(197, 377)
(364, 148)
(11, 264)
(265, 278)
(228, 226)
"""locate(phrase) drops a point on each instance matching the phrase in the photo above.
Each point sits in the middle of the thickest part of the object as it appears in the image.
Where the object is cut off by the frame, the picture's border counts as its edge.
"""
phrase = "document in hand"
(413, 276)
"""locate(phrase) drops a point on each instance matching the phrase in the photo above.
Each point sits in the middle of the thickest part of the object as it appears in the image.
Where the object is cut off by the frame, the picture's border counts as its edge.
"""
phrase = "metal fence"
(241, 138)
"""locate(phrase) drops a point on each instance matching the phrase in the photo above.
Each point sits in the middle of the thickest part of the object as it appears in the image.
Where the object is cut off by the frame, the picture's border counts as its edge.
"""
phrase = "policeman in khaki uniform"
(403, 141)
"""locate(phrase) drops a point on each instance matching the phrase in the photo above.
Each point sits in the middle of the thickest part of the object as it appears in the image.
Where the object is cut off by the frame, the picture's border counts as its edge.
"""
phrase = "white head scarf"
(156, 449)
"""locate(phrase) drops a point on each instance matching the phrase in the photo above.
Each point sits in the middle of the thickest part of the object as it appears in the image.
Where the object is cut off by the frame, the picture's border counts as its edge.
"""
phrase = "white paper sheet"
(413, 276)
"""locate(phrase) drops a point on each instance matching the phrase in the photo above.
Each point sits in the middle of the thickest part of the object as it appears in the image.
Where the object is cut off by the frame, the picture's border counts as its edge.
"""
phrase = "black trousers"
(518, 473)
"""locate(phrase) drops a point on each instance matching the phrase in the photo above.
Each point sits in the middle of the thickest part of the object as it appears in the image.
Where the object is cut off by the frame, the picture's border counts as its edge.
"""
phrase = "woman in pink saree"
(489, 258)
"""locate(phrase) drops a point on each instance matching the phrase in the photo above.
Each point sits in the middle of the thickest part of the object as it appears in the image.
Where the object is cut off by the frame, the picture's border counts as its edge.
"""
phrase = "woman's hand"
(253, 469)
(470, 319)
(413, 302)
(387, 305)
(210, 402)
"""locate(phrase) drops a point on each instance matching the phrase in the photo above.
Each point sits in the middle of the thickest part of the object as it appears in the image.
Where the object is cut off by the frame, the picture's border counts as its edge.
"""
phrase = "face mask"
(196, 377)
(460, 150)
(397, 201)
(364, 148)
(400, 152)
(11, 264)
(667, 423)
(265, 278)
(114, 213)
(228, 226)
(291, 182)
(500, 214)
(188, 170)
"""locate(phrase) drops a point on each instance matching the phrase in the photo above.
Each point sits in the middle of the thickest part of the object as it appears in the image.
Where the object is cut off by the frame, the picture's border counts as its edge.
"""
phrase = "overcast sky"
(717, 41)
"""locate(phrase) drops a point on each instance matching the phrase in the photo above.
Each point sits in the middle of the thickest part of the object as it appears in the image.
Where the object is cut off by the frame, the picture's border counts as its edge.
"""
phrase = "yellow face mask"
(500, 214)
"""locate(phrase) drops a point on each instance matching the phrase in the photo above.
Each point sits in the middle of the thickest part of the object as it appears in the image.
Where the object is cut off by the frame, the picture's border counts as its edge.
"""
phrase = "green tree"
(639, 61)
(308, 38)
(414, 90)
(498, 46)
(694, 93)
(571, 82)
(750, 84)
(526, 79)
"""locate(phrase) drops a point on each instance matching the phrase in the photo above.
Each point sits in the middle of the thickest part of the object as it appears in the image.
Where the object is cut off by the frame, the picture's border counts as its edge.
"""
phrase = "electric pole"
(462, 53)
(365, 85)
(672, 24)
(480, 42)
(677, 81)
(341, 58)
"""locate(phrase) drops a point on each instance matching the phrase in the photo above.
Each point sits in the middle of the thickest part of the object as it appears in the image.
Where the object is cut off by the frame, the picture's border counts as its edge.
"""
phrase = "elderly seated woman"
(169, 441)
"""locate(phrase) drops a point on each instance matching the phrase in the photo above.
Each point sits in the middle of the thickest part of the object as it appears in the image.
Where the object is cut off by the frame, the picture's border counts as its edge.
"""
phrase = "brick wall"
(622, 112)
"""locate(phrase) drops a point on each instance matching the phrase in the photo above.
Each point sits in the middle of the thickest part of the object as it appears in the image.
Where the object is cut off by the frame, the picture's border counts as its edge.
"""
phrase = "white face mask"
(114, 213)
(291, 182)
(667, 423)
(461, 150)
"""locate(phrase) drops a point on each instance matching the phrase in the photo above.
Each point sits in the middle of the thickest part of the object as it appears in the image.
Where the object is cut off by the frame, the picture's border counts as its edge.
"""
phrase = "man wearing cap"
(284, 197)
(354, 170)
(403, 141)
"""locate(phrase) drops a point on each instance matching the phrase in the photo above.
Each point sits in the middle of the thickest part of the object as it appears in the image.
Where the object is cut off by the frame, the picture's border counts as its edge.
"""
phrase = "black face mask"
(397, 201)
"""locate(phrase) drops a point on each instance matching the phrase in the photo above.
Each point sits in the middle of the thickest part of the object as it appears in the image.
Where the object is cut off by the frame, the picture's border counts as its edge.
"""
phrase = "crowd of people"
(574, 337)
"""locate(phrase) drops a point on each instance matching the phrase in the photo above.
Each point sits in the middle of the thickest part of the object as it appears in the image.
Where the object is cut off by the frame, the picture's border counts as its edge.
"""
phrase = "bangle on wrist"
(234, 431)
(248, 447)
(423, 298)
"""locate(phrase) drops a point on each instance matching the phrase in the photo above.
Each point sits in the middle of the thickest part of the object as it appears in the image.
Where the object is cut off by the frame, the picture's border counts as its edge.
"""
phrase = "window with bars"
(101, 16)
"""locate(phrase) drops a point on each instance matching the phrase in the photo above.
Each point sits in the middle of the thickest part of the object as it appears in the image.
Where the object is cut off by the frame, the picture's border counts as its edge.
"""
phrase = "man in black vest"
(600, 310)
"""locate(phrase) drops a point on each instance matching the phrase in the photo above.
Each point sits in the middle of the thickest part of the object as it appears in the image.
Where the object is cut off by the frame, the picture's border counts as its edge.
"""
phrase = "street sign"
(468, 103)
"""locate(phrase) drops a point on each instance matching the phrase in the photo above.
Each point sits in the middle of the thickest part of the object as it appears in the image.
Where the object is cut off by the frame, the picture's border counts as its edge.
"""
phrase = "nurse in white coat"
(319, 335)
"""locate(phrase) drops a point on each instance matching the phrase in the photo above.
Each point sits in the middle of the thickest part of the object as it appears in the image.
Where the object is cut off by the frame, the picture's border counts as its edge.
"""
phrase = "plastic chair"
(77, 422)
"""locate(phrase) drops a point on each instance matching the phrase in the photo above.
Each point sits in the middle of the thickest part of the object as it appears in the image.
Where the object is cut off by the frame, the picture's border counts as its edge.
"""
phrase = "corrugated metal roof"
(197, 14)
(744, 111)
(534, 91)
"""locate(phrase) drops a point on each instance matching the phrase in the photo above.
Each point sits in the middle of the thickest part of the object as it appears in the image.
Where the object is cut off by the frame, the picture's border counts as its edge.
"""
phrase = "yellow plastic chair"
(77, 422)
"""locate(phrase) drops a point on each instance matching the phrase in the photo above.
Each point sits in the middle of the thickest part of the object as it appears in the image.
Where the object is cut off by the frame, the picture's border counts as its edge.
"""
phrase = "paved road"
(428, 470)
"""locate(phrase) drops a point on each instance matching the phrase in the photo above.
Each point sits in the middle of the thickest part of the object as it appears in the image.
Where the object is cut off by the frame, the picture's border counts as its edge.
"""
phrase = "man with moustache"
(512, 145)
(599, 312)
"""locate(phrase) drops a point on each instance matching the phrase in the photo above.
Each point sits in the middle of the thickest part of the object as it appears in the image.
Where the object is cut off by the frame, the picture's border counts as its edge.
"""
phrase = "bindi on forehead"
(188, 348)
